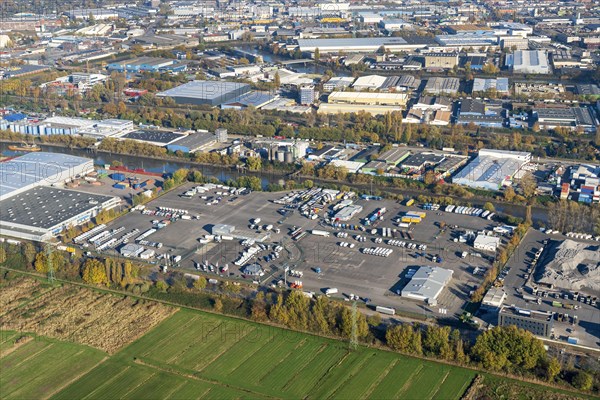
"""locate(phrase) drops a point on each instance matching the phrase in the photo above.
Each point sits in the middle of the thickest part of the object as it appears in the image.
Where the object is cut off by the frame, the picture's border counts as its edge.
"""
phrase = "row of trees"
(571, 216)
(504, 349)
(501, 260)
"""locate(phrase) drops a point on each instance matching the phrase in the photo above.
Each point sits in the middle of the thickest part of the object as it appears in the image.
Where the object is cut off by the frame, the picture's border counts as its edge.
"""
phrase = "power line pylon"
(354, 333)
(49, 263)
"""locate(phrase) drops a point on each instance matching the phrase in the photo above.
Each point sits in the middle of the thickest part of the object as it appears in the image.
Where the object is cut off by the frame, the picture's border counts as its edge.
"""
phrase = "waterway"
(224, 173)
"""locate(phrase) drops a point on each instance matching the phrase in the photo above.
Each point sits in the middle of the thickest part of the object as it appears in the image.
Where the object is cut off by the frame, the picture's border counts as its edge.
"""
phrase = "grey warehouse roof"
(427, 283)
(164, 137)
(45, 207)
(35, 169)
(207, 90)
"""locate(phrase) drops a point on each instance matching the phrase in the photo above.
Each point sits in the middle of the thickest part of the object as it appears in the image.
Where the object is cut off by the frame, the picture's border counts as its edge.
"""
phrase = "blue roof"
(15, 117)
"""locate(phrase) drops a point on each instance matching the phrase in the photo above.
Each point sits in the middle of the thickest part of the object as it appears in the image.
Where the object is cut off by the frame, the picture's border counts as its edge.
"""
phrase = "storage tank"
(288, 157)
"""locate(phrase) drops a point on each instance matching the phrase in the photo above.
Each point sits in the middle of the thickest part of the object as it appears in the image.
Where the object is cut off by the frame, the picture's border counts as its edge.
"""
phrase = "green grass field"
(204, 356)
(197, 355)
(40, 367)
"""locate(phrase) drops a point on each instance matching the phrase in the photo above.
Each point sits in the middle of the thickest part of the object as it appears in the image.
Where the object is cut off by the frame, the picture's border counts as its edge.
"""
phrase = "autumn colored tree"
(94, 272)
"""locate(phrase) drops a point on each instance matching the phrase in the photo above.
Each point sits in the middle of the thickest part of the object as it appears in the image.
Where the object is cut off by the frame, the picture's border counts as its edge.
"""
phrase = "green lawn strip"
(301, 381)
(522, 387)
(158, 335)
(38, 376)
(426, 384)
(201, 348)
(91, 383)
(254, 368)
(367, 393)
(363, 379)
(229, 361)
(126, 380)
(191, 390)
(169, 341)
(219, 348)
(339, 373)
(7, 338)
(455, 384)
(184, 341)
(280, 374)
(23, 354)
(158, 386)
(398, 376)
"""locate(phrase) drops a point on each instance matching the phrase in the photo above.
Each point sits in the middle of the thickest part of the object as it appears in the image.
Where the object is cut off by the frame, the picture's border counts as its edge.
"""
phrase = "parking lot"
(348, 269)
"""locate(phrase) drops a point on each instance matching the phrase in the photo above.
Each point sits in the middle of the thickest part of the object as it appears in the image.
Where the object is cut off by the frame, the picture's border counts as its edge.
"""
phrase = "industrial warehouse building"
(492, 169)
(440, 85)
(571, 118)
(427, 283)
(370, 102)
(193, 142)
(213, 93)
(441, 60)
(37, 169)
(537, 322)
(154, 136)
(146, 64)
(30, 208)
(42, 212)
(528, 62)
(361, 45)
(486, 243)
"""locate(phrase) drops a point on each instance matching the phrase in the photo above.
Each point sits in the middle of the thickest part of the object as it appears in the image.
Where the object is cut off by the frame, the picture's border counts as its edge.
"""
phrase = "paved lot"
(588, 327)
(349, 270)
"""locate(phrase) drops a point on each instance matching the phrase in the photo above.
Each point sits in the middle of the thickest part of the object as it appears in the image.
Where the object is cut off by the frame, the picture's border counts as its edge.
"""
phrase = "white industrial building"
(350, 166)
(358, 45)
(500, 85)
(427, 283)
(369, 82)
(492, 169)
(528, 62)
(486, 243)
(494, 298)
(32, 207)
(40, 169)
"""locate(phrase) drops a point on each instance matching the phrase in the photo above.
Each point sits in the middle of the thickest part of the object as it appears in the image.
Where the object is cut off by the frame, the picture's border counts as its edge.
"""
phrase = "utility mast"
(49, 263)
(354, 333)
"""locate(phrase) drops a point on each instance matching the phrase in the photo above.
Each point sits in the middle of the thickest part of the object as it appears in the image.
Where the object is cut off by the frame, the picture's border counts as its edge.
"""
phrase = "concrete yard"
(348, 269)
(587, 329)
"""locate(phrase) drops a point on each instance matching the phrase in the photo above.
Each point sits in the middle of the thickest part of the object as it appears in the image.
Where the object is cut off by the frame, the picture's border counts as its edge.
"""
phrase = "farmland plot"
(41, 367)
(103, 321)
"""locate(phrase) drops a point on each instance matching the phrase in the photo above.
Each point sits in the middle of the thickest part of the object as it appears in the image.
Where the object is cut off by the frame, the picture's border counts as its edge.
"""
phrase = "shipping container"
(385, 310)
(118, 176)
(119, 186)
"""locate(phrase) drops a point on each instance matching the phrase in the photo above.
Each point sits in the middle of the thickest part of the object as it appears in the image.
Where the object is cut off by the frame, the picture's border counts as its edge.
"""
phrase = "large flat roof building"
(354, 45)
(500, 85)
(537, 322)
(42, 212)
(370, 102)
(492, 169)
(155, 137)
(441, 85)
(528, 62)
(427, 283)
(213, 93)
(36, 169)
